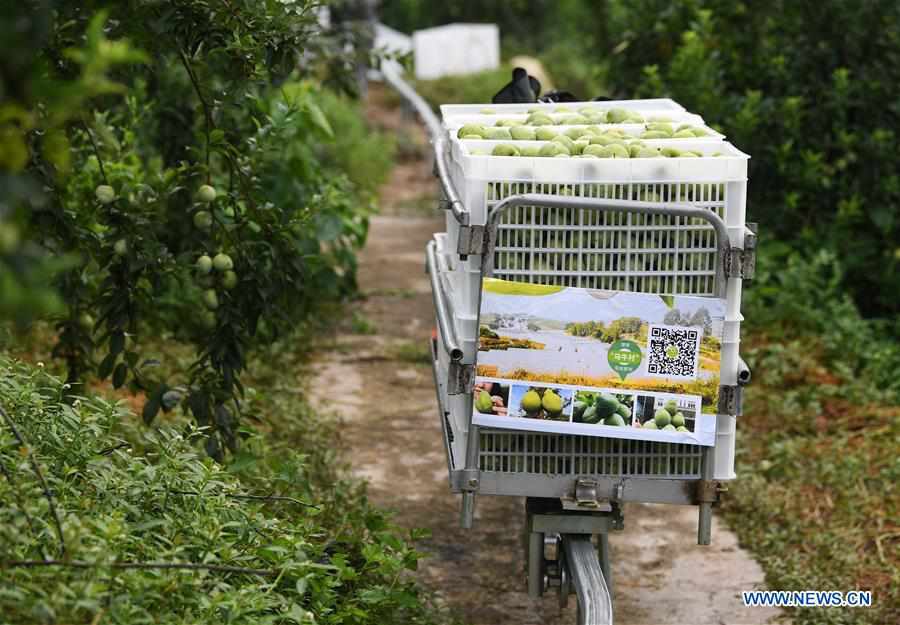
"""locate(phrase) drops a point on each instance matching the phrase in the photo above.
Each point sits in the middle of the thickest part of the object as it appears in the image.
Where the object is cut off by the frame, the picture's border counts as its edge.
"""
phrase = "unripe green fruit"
(650, 425)
(699, 132)
(206, 194)
(618, 151)
(531, 401)
(683, 134)
(634, 118)
(671, 152)
(86, 321)
(486, 111)
(497, 134)
(484, 403)
(505, 149)
(545, 133)
(204, 264)
(9, 238)
(531, 150)
(120, 247)
(522, 133)
(654, 134)
(553, 148)
(229, 280)
(647, 153)
(203, 220)
(105, 194)
(566, 141)
(669, 428)
(597, 151)
(574, 120)
(662, 417)
(606, 139)
(210, 299)
(661, 126)
(678, 420)
(471, 137)
(579, 146)
(574, 133)
(616, 116)
(681, 428)
(539, 119)
(471, 129)
(552, 402)
(222, 262)
(688, 154)
(671, 406)
(208, 319)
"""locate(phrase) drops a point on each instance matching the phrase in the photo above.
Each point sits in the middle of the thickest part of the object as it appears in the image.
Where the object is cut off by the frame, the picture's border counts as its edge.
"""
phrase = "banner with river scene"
(599, 363)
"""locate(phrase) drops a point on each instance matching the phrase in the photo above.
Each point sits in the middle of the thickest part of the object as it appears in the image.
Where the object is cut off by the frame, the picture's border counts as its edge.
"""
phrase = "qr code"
(673, 351)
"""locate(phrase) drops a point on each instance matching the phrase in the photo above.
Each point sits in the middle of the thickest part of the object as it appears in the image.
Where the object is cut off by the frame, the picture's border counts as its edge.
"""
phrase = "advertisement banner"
(598, 363)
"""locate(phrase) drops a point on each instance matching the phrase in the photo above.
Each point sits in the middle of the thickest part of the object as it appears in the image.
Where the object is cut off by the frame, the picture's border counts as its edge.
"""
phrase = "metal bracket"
(741, 263)
(469, 480)
(471, 240)
(730, 400)
(460, 378)
(710, 491)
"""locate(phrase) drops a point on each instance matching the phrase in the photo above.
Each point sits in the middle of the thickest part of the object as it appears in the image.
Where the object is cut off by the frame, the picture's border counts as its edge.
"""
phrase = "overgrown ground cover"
(305, 544)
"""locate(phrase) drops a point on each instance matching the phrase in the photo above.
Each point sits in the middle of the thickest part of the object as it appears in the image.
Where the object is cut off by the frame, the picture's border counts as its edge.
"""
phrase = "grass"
(817, 500)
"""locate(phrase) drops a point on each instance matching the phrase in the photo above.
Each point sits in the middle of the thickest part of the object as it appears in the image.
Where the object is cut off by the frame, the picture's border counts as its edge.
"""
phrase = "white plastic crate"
(663, 105)
(604, 250)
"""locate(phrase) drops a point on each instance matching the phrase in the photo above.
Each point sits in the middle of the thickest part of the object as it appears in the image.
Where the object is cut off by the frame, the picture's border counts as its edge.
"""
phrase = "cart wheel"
(581, 569)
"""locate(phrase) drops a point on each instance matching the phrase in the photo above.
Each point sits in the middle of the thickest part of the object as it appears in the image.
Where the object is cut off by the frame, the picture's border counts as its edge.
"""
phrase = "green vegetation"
(149, 142)
(305, 543)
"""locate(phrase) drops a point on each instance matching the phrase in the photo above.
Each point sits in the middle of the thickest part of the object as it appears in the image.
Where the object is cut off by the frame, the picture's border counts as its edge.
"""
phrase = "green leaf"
(318, 118)
(119, 375)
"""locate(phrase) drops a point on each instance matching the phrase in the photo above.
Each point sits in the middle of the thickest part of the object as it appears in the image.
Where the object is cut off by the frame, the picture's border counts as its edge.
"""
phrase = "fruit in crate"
(616, 115)
(566, 141)
(531, 402)
(522, 133)
(539, 119)
(469, 130)
(484, 403)
(683, 134)
(545, 133)
(553, 148)
(497, 134)
(662, 417)
(654, 134)
(505, 149)
(552, 402)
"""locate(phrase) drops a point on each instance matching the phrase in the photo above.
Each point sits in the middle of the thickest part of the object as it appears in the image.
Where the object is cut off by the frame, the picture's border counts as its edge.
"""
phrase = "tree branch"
(207, 113)
(190, 566)
(96, 150)
(37, 471)
(253, 497)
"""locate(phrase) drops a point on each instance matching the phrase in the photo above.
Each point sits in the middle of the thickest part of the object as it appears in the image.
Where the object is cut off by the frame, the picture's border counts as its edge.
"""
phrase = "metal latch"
(460, 378)
(471, 240)
(741, 263)
(586, 497)
(730, 400)
(710, 491)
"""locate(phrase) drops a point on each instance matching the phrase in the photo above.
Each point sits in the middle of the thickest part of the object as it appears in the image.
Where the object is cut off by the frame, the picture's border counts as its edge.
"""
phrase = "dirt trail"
(660, 574)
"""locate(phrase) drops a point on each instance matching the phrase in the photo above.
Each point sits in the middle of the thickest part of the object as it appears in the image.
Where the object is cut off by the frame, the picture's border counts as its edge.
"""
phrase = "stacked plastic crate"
(647, 150)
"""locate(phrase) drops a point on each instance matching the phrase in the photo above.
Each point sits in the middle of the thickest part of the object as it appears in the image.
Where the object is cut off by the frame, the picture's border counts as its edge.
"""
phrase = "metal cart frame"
(582, 495)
